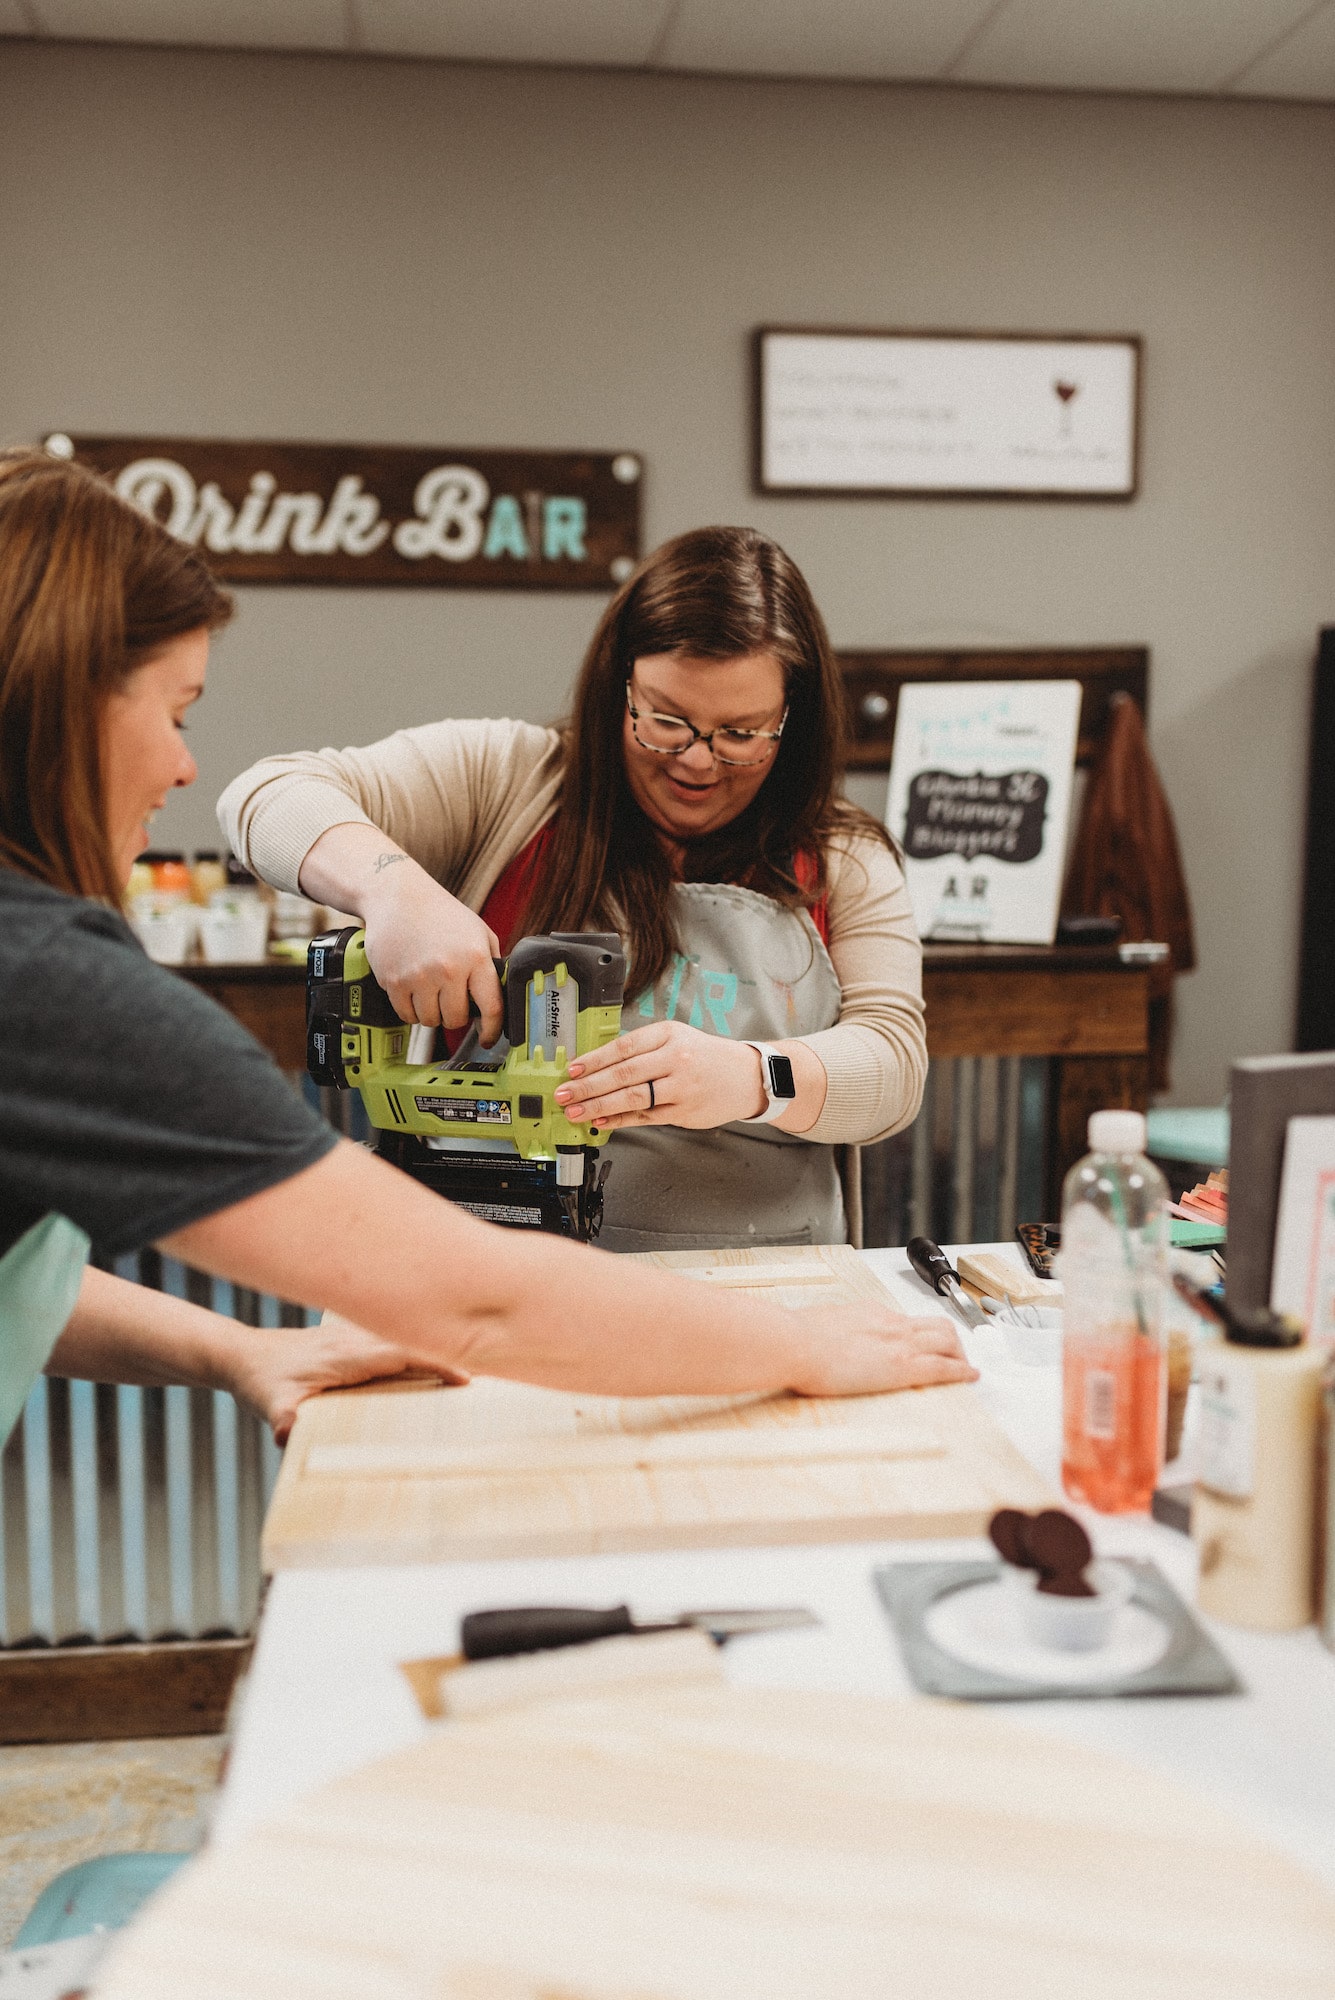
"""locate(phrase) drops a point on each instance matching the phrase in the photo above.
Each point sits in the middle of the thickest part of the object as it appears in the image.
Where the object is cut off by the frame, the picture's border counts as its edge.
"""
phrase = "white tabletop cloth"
(324, 1693)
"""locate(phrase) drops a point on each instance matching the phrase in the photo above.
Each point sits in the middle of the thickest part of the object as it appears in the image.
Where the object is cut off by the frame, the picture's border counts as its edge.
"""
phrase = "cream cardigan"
(463, 798)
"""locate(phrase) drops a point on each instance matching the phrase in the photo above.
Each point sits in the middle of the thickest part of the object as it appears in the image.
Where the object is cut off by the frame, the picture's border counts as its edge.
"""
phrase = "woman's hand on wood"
(275, 1372)
(664, 1074)
(867, 1350)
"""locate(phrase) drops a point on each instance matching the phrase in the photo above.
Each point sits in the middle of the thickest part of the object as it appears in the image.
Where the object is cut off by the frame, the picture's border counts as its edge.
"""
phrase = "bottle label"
(1227, 1438)
(1100, 1403)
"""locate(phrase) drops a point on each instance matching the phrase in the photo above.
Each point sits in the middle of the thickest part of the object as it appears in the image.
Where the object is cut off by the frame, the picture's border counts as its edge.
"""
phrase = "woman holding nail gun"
(134, 1111)
(774, 1008)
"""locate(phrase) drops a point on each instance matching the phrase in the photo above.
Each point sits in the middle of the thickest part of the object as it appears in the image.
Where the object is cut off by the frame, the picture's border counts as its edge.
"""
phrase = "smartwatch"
(776, 1073)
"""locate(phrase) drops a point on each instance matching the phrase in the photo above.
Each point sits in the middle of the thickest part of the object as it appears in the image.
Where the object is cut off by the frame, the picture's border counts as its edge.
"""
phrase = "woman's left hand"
(665, 1074)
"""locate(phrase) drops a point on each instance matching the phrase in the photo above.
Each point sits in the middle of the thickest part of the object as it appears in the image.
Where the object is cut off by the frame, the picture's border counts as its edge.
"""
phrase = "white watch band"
(774, 1106)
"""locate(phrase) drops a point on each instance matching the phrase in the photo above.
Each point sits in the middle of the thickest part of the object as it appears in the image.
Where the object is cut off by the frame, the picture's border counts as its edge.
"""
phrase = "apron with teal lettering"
(40, 1277)
(749, 969)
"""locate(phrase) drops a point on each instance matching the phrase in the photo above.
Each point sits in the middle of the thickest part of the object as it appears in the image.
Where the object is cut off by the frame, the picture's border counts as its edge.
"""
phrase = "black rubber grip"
(931, 1263)
(538, 1628)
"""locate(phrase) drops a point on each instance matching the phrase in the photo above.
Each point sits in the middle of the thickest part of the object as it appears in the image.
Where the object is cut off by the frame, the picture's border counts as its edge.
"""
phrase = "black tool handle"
(931, 1263)
(538, 1628)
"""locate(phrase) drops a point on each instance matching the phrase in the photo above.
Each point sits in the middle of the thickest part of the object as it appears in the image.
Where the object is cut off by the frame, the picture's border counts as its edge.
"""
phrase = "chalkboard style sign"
(845, 410)
(384, 514)
(999, 814)
(980, 795)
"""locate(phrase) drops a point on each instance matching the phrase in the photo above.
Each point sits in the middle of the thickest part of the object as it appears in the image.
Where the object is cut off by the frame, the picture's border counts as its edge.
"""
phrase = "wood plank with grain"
(707, 1843)
(431, 1474)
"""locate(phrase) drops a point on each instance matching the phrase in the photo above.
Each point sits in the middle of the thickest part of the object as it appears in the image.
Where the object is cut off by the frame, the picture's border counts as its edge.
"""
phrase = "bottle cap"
(1117, 1132)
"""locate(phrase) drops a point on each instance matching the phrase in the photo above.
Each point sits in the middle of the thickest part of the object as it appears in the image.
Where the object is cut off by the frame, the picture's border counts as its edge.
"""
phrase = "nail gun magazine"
(481, 1126)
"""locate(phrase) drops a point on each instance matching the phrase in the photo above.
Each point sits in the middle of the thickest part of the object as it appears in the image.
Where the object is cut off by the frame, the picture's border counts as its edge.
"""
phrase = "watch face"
(781, 1077)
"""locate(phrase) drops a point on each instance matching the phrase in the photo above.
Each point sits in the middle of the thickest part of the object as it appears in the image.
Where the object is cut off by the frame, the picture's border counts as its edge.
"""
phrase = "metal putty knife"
(539, 1628)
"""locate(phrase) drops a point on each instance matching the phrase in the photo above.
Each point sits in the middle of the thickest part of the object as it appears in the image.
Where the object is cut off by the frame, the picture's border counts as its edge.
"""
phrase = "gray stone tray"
(1193, 1664)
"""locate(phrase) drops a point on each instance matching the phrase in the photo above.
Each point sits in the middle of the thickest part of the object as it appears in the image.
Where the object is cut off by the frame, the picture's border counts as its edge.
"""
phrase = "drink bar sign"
(383, 514)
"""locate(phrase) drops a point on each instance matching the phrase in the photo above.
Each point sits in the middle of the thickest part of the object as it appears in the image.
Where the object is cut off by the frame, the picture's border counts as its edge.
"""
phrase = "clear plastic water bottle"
(1113, 1265)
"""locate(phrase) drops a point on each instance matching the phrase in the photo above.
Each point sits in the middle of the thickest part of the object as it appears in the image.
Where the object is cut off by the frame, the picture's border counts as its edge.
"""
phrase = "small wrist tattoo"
(387, 861)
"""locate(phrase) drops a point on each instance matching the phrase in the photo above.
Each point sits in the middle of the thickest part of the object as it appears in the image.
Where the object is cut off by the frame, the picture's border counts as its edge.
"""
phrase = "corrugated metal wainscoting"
(135, 1513)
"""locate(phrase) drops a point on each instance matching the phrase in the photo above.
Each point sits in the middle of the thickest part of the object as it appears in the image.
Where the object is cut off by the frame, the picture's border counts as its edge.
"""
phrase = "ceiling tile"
(1302, 66)
(618, 33)
(1191, 45)
(13, 20)
(857, 38)
(248, 24)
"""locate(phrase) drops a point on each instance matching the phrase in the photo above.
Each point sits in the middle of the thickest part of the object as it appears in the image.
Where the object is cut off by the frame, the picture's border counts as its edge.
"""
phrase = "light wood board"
(718, 1844)
(415, 1473)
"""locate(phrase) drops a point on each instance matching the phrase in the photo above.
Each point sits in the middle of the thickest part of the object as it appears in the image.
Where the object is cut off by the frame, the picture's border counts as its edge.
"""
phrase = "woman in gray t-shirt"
(133, 1111)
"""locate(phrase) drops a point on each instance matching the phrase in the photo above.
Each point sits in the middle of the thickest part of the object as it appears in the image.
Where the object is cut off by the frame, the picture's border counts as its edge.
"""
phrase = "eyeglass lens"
(730, 746)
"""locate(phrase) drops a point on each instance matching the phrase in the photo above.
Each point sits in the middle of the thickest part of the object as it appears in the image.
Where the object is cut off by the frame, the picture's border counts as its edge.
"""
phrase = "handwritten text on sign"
(1002, 815)
(310, 513)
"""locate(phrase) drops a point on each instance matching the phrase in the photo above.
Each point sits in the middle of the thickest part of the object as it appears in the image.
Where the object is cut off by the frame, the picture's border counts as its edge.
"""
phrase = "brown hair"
(716, 593)
(89, 589)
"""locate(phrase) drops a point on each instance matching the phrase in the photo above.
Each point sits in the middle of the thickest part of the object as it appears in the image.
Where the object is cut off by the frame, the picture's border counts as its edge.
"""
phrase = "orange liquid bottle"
(1112, 1419)
(1113, 1264)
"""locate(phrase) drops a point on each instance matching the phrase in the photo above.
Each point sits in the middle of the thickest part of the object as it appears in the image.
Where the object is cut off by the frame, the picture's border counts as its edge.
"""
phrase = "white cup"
(238, 935)
(165, 929)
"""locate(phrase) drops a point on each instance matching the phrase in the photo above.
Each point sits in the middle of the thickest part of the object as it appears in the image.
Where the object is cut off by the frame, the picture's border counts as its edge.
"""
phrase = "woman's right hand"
(867, 1350)
(430, 952)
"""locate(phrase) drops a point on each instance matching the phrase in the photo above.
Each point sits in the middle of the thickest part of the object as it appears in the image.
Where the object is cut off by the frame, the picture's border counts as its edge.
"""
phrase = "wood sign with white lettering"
(384, 514)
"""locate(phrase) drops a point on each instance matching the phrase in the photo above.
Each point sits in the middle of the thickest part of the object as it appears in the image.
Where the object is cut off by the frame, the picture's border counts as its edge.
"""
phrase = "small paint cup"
(1075, 1624)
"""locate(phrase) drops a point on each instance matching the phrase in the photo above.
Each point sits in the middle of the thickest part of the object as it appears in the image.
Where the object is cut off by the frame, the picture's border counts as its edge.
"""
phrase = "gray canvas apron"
(749, 969)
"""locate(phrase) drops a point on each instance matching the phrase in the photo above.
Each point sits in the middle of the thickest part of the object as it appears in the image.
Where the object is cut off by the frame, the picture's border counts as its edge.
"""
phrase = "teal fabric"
(40, 1277)
(98, 1895)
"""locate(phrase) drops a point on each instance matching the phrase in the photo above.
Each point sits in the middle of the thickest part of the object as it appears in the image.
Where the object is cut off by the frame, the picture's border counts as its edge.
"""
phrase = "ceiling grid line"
(1271, 47)
(975, 35)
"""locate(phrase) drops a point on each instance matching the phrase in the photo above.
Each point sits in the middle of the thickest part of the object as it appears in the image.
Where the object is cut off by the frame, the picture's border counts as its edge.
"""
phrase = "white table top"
(324, 1693)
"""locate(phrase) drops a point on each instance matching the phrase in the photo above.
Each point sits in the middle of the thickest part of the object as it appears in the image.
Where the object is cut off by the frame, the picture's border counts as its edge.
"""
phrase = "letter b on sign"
(450, 501)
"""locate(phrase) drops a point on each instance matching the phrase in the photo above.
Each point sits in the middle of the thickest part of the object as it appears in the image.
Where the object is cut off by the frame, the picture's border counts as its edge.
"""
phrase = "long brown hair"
(89, 589)
(716, 593)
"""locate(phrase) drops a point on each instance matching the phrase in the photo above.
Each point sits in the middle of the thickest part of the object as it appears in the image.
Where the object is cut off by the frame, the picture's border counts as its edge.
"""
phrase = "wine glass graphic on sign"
(1065, 392)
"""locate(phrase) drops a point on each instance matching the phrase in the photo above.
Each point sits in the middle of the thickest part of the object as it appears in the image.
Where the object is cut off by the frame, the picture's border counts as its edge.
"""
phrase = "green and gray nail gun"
(481, 1126)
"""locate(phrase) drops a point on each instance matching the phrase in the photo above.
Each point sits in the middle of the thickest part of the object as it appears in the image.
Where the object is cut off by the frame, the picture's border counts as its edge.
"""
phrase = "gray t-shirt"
(129, 1101)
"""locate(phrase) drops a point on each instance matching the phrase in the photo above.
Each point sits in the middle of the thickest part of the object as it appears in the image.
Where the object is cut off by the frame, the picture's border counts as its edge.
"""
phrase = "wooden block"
(607, 1666)
(707, 1843)
(997, 1277)
(501, 1469)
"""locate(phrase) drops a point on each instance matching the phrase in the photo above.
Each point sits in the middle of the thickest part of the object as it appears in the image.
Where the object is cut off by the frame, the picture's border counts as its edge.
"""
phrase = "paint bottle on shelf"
(1113, 1265)
(1254, 1514)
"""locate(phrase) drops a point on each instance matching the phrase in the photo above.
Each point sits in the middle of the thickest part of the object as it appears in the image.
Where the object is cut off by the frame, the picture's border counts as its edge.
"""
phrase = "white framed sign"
(946, 415)
(979, 799)
(1302, 1278)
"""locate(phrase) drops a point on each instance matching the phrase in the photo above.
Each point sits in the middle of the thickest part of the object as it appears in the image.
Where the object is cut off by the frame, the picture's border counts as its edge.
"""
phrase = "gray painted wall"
(297, 247)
